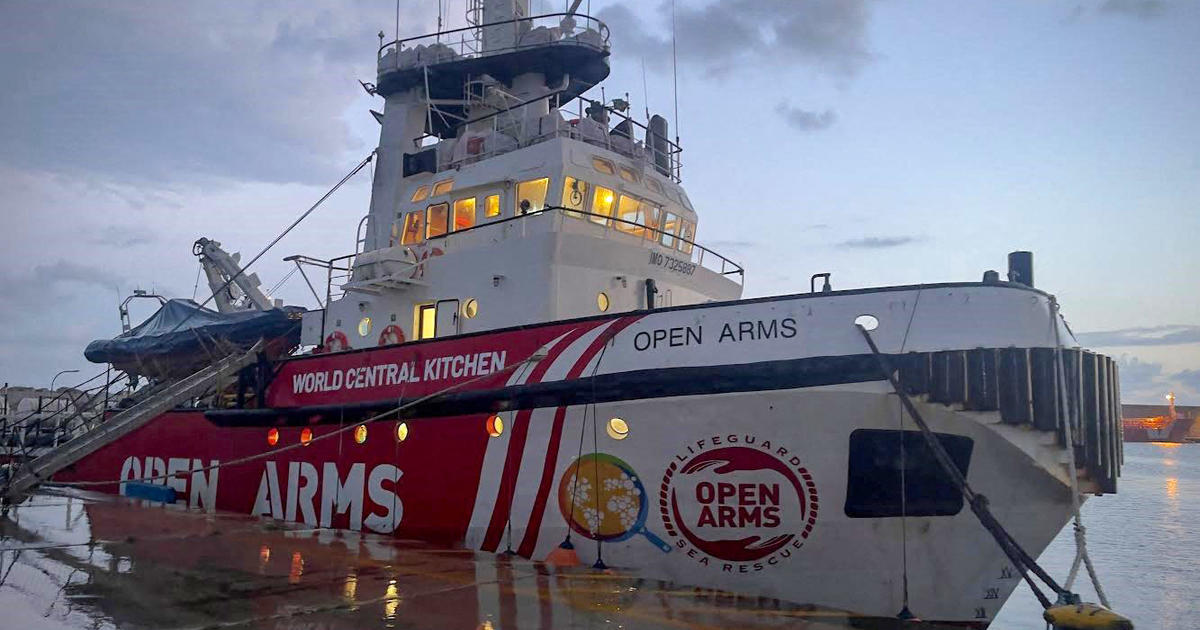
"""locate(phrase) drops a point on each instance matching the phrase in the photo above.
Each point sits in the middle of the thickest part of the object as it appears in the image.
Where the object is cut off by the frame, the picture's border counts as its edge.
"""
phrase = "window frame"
(576, 210)
(420, 194)
(597, 217)
(455, 210)
(487, 207)
(419, 229)
(419, 320)
(437, 191)
(608, 169)
(517, 197)
(445, 208)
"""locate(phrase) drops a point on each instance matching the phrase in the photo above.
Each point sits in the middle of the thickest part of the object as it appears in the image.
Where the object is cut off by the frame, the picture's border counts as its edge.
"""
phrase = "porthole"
(364, 327)
(306, 436)
(869, 322)
(272, 437)
(602, 301)
(401, 431)
(495, 425)
(618, 429)
(360, 434)
(470, 308)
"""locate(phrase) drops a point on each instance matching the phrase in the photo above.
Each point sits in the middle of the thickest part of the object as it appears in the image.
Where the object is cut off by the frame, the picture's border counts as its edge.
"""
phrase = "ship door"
(447, 318)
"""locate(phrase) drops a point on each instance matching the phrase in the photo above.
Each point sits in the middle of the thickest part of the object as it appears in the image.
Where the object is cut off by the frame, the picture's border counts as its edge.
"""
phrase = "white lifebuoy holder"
(391, 335)
(336, 342)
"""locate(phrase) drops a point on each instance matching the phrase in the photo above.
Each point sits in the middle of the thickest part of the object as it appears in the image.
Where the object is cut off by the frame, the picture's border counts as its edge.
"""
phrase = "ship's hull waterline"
(753, 455)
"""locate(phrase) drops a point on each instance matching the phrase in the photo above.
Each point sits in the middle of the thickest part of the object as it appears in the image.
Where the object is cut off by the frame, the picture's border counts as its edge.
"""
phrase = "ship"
(1156, 423)
(529, 352)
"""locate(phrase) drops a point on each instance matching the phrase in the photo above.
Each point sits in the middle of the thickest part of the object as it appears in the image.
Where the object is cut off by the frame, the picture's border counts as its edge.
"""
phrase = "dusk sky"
(886, 142)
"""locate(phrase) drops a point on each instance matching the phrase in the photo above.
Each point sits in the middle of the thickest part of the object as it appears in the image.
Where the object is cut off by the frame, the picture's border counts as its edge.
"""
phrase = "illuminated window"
(603, 165)
(630, 209)
(426, 323)
(401, 431)
(364, 327)
(628, 175)
(495, 425)
(652, 217)
(306, 436)
(491, 206)
(464, 213)
(420, 194)
(272, 437)
(437, 219)
(602, 301)
(360, 434)
(531, 195)
(443, 187)
(470, 308)
(670, 228)
(575, 192)
(414, 228)
(686, 236)
(618, 429)
(602, 205)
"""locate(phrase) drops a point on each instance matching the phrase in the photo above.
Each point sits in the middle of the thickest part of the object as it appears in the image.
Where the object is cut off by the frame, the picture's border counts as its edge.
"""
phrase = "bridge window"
(414, 228)
(420, 194)
(575, 192)
(603, 165)
(687, 235)
(443, 187)
(602, 205)
(628, 175)
(653, 216)
(491, 206)
(670, 228)
(630, 209)
(655, 186)
(464, 213)
(874, 488)
(531, 195)
(426, 323)
(437, 219)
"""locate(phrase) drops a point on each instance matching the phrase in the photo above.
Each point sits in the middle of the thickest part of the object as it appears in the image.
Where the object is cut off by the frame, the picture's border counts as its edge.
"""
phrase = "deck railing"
(550, 28)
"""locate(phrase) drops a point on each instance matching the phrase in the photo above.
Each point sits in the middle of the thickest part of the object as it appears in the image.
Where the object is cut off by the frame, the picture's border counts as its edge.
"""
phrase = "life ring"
(336, 342)
(391, 335)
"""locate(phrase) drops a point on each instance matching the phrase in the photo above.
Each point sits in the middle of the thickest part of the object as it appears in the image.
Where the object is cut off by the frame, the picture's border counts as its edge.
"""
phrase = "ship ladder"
(45, 466)
(1068, 613)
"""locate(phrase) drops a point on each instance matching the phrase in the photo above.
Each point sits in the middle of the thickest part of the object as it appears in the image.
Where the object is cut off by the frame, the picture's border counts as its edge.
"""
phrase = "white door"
(447, 318)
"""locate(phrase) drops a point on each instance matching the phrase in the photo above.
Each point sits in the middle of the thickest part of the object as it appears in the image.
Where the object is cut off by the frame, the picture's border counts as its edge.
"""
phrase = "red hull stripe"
(516, 448)
(529, 542)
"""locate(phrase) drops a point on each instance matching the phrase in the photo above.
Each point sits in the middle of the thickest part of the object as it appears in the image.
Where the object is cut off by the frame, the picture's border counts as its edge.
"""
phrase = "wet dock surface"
(83, 560)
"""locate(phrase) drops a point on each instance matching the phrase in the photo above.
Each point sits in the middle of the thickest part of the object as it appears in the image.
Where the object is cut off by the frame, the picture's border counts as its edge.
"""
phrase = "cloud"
(718, 245)
(1141, 9)
(1147, 382)
(123, 236)
(1144, 336)
(805, 120)
(827, 35)
(878, 242)
(181, 93)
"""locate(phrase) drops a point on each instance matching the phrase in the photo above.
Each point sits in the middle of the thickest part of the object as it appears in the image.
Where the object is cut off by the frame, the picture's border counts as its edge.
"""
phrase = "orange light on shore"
(495, 425)
(306, 436)
(272, 437)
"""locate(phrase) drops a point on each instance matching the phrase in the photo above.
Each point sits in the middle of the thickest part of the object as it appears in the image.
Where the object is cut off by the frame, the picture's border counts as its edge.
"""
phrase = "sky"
(886, 142)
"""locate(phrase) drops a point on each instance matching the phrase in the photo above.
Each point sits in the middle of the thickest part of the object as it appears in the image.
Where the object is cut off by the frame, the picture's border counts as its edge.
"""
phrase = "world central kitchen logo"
(738, 502)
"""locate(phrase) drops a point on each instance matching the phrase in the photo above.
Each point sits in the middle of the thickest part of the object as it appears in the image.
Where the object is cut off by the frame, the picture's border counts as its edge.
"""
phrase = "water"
(1143, 541)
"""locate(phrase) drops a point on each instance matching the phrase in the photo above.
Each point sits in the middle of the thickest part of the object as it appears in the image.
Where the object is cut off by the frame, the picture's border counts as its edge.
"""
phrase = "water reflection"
(1173, 489)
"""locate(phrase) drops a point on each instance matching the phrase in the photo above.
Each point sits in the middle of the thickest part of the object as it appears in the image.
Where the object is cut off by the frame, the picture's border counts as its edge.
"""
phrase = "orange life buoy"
(391, 335)
(336, 342)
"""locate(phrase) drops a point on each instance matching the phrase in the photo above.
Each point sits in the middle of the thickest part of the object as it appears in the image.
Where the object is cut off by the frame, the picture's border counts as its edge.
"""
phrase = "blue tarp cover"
(183, 332)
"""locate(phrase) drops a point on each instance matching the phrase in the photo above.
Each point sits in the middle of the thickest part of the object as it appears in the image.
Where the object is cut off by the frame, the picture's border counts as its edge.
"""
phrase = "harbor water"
(80, 560)
(1142, 540)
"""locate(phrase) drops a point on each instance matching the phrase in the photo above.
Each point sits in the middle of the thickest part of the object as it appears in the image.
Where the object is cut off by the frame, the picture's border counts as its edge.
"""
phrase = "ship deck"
(72, 559)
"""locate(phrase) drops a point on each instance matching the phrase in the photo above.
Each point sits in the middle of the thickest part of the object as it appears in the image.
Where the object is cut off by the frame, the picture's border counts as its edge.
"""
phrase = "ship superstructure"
(529, 353)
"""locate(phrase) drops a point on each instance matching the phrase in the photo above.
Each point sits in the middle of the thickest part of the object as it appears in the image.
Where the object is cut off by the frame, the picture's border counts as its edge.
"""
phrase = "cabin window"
(653, 218)
(602, 205)
(491, 206)
(628, 175)
(426, 324)
(630, 209)
(414, 228)
(531, 195)
(464, 213)
(603, 165)
(437, 219)
(443, 187)
(687, 236)
(420, 194)
(670, 228)
(655, 186)
(575, 192)
(874, 489)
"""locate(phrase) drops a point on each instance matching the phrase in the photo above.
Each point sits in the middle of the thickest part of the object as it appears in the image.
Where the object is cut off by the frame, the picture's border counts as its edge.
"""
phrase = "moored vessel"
(530, 351)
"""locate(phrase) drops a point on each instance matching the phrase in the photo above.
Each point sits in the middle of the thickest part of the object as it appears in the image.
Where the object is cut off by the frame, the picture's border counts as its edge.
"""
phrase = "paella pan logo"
(738, 499)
